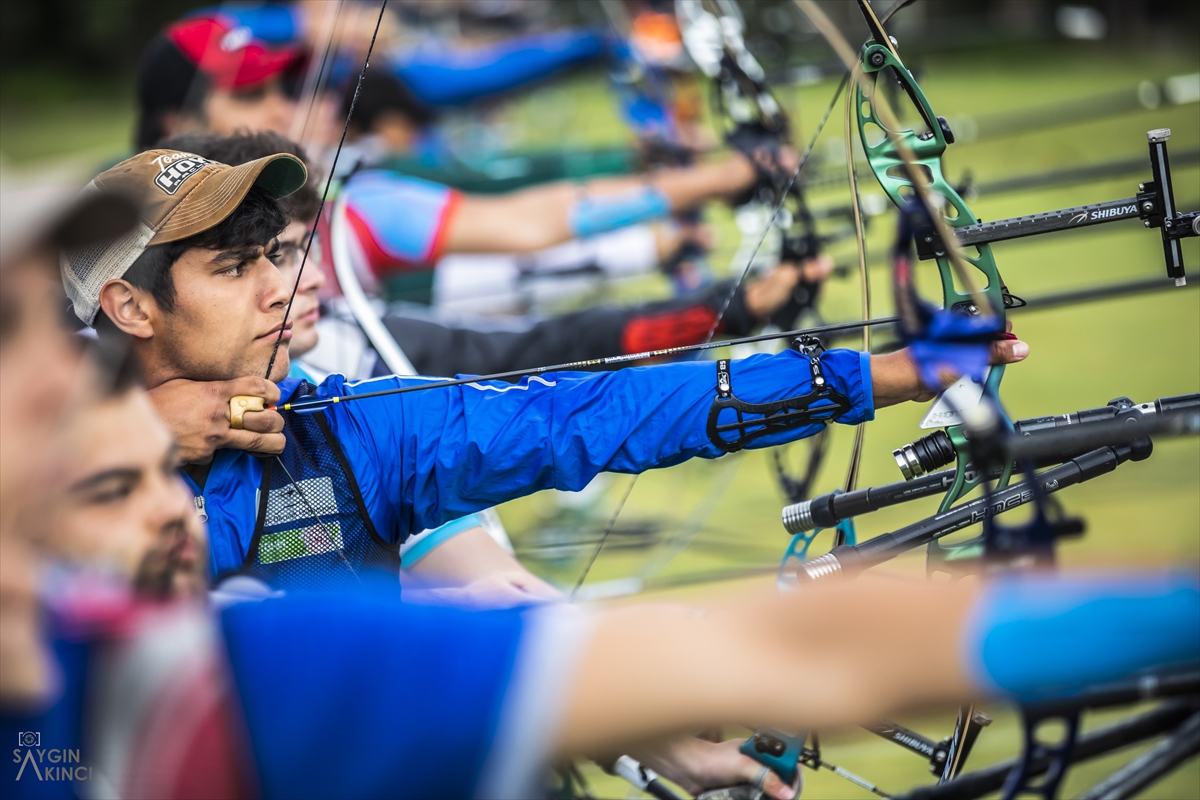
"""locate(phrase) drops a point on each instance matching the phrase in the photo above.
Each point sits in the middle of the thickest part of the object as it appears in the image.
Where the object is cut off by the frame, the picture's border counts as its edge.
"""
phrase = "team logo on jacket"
(176, 169)
(308, 513)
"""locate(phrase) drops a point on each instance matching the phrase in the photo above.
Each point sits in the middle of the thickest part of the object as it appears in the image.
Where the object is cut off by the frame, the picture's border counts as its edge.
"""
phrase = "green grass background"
(1146, 515)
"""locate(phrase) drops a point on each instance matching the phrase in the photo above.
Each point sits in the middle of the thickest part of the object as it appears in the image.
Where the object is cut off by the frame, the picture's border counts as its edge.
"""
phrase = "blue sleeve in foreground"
(1034, 636)
(362, 696)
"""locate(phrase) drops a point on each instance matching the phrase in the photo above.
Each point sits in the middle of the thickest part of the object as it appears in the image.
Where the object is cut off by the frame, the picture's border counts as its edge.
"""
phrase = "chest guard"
(313, 531)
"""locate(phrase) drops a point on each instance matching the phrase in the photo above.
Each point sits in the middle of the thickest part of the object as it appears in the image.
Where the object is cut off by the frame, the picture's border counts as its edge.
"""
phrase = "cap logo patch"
(236, 39)
(177, 168)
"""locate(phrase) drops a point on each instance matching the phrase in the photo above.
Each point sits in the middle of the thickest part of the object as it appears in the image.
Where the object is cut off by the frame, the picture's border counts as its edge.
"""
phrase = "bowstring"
(724, 308)
(325, 192)
(308, 247)
(856, 451)
(600, 544)
(317, 82)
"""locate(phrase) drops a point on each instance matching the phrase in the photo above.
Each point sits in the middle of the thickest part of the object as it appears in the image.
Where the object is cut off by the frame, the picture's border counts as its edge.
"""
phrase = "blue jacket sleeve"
(274, 23)
(445, 76)
(444, 453)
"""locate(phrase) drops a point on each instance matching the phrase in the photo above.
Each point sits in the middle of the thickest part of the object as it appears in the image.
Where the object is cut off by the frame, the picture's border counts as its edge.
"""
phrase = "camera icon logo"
(30, 738)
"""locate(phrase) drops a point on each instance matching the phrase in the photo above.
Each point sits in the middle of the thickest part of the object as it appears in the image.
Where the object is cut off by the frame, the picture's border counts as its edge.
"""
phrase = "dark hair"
(254, 223)
(381, 94)
(244, 146)
(167, 82)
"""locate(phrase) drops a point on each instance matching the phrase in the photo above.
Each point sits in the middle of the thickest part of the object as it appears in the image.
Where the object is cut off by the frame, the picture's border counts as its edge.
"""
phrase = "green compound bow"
(880, 61)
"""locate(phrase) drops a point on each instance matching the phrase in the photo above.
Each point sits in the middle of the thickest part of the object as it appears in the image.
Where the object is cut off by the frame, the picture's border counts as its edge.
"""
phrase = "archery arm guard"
(755, 420)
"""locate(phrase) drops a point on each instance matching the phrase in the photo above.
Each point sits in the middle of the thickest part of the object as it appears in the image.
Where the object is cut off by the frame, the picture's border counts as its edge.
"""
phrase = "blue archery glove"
(953, 342)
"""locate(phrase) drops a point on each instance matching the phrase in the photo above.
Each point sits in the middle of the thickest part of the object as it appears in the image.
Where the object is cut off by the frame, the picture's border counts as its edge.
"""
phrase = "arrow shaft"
(572, 366)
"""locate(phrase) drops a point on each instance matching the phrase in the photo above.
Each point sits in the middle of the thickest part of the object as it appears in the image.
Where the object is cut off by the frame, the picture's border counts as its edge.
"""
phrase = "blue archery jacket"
(424, 458)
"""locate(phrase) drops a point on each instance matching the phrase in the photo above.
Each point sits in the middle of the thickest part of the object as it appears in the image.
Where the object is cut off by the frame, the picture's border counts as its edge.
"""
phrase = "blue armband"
(592, 215)
(422, 544)
(1036, 636)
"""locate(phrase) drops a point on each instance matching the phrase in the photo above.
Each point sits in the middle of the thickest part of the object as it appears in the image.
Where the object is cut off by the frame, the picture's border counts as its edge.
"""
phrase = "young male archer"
(199, 297)
(461, 554)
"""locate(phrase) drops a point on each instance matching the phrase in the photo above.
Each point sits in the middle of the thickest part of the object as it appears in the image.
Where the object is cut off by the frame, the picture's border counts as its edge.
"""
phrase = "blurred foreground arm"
(872, 651)
(489, 697)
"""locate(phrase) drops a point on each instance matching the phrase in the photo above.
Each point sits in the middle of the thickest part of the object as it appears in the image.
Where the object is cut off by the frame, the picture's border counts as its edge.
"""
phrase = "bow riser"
(893, 176)
(896, 180)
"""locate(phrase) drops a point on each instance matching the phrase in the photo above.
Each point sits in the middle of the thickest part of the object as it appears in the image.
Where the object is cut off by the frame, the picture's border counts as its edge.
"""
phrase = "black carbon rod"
(434, 383)
(1150, 766)
(1090, 745)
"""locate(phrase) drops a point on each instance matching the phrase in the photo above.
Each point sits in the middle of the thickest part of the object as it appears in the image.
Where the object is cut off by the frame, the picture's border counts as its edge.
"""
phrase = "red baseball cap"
(228, 53)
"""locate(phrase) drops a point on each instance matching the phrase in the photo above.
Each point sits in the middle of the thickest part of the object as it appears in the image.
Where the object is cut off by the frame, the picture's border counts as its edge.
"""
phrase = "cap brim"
(217, 197)
(62, 217)
(260, 64)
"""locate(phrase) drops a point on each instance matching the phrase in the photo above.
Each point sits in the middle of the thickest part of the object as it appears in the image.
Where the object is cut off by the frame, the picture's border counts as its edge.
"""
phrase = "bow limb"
(356, 299)
(908, 165)
(865, 284)
(904, 156)
(316, 73)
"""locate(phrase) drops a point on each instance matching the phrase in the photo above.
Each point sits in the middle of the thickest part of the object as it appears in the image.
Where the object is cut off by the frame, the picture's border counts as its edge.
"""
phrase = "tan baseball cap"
(180, 195)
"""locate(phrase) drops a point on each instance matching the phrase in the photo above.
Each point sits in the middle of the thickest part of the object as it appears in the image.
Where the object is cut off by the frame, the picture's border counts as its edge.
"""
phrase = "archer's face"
(306, 307)
(40, 367)
(42, 380)
(121, 505)
(229, 307)
(264, 107)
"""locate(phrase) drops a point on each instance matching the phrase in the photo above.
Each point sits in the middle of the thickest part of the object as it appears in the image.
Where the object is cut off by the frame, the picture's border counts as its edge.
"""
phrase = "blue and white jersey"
(425, 458)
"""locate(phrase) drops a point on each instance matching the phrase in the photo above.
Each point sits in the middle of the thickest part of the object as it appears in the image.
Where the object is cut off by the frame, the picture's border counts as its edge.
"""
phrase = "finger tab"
(239, 405)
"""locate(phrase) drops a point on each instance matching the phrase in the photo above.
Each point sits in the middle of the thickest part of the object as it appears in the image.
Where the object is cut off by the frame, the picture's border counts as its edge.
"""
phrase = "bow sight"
(1154, 204)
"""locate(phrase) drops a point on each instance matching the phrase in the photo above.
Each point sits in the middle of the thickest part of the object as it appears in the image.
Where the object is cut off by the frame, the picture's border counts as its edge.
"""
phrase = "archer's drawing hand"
(197, 414)
(698, 765)
(772, 290)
